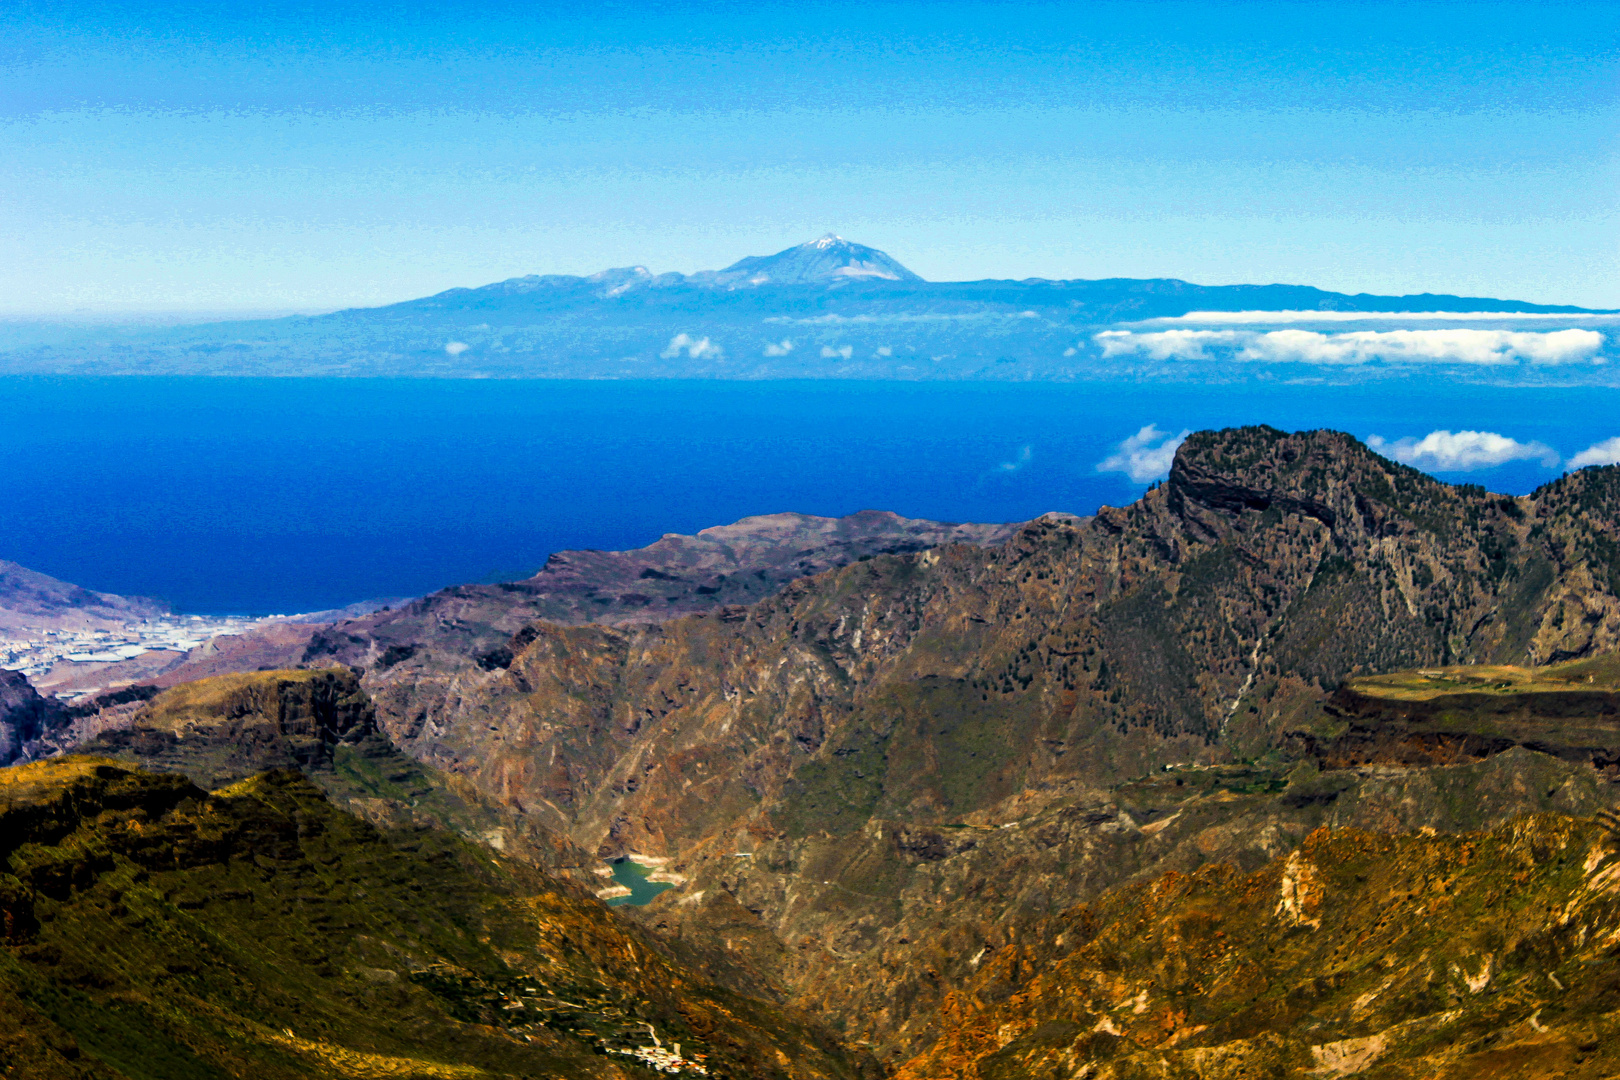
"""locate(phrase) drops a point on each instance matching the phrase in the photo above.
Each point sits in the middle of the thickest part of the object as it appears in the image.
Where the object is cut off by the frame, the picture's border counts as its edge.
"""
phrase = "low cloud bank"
(1460, 346)
(1250, 318)
(1606, 452)
(1145, 456)
(1462, 451)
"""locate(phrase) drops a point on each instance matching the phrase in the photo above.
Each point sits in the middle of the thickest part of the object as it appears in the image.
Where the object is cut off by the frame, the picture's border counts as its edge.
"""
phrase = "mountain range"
(1304, 763)
(829, 308)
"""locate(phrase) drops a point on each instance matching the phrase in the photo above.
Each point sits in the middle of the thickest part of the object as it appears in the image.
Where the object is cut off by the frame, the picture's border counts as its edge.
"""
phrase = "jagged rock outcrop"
(25, 716)
(1184, 627)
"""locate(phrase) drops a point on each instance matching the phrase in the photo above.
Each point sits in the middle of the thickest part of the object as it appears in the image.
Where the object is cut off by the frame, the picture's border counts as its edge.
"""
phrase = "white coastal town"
(35, 652)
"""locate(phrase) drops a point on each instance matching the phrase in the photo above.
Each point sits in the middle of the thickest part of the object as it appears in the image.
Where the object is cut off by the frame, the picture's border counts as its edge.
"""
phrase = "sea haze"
(280, 495)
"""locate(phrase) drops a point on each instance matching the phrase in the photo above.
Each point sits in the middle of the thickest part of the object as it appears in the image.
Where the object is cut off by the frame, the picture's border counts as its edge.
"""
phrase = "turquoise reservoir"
(633, 876)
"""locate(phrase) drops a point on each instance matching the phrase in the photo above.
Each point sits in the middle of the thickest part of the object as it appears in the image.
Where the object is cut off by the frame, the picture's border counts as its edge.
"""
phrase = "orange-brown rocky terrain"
(1477, 955)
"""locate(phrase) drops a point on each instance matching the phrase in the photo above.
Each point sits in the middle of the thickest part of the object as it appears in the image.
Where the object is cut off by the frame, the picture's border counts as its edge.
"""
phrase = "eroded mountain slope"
(467, 626)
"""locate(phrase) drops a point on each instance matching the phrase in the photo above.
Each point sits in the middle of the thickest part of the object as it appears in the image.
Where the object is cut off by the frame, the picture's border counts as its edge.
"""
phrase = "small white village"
(664, 1060)
(41, 650)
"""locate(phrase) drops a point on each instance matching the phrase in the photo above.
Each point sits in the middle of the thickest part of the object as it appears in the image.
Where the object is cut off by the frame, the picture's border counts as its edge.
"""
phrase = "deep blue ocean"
(285, 495)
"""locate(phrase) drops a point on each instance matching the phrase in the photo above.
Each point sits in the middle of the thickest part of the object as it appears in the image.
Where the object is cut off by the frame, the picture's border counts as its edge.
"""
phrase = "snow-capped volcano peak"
(830, 258)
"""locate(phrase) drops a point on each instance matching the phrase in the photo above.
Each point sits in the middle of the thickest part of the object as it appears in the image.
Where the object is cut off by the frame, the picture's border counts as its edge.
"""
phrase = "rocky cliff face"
(230, 727)
(224, 729)
(25, 716)
(833, 767)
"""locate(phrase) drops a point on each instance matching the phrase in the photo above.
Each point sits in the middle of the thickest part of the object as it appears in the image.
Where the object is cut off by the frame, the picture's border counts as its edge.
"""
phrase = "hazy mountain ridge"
(29, 599)
(829, 308)
(468, 625)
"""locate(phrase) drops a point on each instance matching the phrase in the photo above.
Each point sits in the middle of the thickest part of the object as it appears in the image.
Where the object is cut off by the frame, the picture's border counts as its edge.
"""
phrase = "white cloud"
(1462, 451)
(1025, 456)
(828, 352)
(1168, 344)
(456, 348)
(1145, 456)
(884, 350)
(1606, 452)
(779, 349)
(1250, 318)
(696, 348)
(1425, 346)
(1070, 351)
(1458, 346)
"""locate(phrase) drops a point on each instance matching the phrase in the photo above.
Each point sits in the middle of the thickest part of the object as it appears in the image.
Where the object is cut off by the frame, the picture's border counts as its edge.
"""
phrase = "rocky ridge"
(458, 627)
(468, 629)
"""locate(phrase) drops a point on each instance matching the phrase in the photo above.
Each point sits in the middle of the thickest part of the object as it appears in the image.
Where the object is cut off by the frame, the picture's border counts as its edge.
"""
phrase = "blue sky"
(202, 157)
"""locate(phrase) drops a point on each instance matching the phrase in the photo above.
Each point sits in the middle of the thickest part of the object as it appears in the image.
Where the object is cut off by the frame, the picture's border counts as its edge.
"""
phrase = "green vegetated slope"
(1476, 955)
(1437, 716)
(153, 930)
